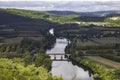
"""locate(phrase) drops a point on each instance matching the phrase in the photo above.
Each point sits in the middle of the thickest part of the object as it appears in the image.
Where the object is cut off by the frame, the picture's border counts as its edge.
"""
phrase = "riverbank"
(100, 72)
(75, 62)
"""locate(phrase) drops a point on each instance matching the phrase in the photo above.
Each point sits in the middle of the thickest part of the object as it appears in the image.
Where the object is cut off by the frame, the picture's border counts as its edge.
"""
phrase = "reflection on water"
(59, 46)
(67, 70)
(64, 68)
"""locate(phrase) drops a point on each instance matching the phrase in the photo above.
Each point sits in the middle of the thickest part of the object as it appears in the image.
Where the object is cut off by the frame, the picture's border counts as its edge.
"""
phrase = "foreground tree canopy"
(11, 70)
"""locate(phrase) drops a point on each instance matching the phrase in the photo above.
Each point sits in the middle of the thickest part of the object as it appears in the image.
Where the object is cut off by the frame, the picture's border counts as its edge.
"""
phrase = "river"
(65, 68)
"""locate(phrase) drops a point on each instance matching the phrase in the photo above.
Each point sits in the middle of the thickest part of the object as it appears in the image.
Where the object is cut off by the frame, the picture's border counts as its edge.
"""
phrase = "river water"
(65, 68)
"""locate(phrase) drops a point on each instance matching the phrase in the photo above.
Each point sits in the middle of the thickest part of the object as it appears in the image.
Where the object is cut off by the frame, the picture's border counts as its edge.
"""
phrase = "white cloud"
(61, 0)
(81, 6)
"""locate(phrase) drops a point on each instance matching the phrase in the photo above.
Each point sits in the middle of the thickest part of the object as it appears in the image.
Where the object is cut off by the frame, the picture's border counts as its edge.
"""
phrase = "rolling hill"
(13, 24)
(92, 14)
(44, 18)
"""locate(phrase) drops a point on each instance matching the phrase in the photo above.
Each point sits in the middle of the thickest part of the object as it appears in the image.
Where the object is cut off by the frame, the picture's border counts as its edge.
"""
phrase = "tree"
(27, 58)
(38, 60)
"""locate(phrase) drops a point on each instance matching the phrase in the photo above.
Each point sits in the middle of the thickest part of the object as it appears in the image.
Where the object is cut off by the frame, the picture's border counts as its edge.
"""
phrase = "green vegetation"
(43, 15)
(11, 70)
(65, 19)
(28, 13)
(27, 60)
(30, 53)
(100, 71)
(113, 21)
(90, 19)
(73, 18)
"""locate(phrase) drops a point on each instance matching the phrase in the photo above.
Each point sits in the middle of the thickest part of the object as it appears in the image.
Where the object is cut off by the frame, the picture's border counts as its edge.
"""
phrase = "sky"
(63, 5)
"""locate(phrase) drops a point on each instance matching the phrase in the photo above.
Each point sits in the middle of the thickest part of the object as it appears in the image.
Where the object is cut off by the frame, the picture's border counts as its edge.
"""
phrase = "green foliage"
(82, 20)
(100, 71)
(30, 50)
(42, 60)
(10, 70)
(90, 19)
(27, 58)
(28, 44)
(42, 15)
(29, 13)
(49, 41)
(65, 19)
(105, 20)
(113, 22)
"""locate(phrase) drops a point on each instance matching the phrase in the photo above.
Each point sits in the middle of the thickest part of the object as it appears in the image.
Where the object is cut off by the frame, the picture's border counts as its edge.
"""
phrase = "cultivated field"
(96, 41)
(85, 43)
(107, 40)
(17, 39)
(104, 61)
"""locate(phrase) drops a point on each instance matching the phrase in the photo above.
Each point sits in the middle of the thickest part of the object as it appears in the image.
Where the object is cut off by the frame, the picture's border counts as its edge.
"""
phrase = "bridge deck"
(59, 54)
(60, 59)
(70, 54)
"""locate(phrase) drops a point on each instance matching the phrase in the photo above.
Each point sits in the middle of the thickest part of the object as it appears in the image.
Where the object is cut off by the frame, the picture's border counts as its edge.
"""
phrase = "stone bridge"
(62, 56)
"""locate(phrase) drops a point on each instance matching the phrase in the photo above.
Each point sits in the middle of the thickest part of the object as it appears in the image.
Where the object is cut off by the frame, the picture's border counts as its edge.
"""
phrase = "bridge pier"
(54, 57)
(68, 56)
(61, 57)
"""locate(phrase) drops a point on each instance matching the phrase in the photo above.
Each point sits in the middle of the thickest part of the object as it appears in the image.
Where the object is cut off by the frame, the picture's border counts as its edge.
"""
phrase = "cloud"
(80, 6)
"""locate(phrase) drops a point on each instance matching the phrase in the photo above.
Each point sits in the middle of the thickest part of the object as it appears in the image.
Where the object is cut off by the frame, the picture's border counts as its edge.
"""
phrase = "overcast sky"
(68, 5)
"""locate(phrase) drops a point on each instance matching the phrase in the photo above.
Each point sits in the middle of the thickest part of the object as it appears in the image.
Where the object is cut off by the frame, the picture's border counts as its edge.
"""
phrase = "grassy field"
(107, 40)
(13, 40)
(17, 39)
(96, 41)
(85, 43)
(111, 53)
(104, 61)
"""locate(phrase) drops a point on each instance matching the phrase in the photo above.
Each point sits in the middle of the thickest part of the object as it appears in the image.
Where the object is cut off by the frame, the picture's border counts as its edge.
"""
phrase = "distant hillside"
(50, 18)
(16, 15)
(13, 24)
(106, 13)
(9, 18)
(42, 15)
(98, 13)
(63, 12)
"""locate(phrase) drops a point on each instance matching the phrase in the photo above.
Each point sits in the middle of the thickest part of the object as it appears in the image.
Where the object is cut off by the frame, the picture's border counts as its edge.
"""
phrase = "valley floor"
(104, 61)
